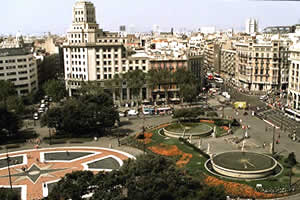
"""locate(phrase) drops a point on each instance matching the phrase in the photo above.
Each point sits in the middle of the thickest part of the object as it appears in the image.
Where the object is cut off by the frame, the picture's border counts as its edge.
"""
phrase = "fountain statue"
(208, 148)
(243, 145)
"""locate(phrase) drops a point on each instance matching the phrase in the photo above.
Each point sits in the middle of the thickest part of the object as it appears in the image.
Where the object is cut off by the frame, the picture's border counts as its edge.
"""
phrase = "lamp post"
(8, 168)
(273, 141)
(50, 137)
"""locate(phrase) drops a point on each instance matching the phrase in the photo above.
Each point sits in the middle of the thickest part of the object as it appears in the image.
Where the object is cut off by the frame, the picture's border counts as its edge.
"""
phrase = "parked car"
(43, 105)
(122, 114)
(263, 97)
(132, 113)
(219, 80)
(36, 116)
(40, 110)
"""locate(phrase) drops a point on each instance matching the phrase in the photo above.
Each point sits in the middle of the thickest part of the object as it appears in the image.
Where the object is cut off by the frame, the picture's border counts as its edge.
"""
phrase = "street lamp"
(273, 142)
(8, 168)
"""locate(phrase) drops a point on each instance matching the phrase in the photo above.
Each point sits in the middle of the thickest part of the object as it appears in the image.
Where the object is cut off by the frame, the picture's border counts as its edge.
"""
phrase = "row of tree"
(88, 114)
(150, 177)
(156, 78)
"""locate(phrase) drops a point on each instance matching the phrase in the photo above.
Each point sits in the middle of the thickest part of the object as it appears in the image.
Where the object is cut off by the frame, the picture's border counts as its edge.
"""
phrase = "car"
(50, 99)
(122, 114)
(43, 101)
(43, 105)
(36, 116)
(263, 97)
(219, 80)
(40, 110)
(132, 113)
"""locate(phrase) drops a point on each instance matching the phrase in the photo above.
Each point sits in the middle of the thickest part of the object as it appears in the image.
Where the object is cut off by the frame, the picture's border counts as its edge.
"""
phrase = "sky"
(55, 16)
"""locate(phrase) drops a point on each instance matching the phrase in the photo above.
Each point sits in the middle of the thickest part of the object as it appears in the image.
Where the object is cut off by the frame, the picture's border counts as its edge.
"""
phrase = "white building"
(91, 54)
(19, 66)
(294, 77)
(251, 26)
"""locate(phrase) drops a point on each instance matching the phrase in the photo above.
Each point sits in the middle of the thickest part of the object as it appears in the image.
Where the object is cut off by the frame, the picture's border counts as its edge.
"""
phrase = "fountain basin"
(244, 165)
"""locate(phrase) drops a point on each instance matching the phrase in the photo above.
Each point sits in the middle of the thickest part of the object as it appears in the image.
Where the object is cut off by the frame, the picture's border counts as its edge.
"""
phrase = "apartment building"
(228, 63)
(262, 65)
(19, 66)
(294, 78)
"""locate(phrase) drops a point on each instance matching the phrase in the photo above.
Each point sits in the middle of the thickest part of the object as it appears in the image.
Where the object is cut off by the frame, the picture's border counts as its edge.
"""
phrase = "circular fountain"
(242, 165)
(188, 130)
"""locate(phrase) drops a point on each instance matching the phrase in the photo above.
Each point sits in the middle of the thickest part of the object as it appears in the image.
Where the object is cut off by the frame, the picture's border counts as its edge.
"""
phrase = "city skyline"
(54, 16)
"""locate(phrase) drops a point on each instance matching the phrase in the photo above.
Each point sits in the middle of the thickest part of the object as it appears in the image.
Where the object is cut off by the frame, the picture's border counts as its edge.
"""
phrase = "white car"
(121, 114)
(43, 105)
(40, 110)
(263, 97)
(219, 80)
(36, 116)
(132, 113)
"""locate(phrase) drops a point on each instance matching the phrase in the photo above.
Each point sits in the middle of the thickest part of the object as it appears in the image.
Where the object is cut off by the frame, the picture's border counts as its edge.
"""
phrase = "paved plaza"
(35, 170)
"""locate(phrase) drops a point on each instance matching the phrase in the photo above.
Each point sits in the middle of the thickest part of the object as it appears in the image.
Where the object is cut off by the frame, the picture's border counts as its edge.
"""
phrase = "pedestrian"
(277, 141)
(264, 145)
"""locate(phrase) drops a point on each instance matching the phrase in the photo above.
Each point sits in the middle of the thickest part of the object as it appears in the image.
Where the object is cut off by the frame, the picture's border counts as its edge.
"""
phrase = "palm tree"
(135, 80)
(115, 85)
(186, 82)
(153, 79)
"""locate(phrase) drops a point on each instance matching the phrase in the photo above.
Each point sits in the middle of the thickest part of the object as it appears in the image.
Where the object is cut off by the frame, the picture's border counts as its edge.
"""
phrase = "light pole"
(273, 142)
(8, 168)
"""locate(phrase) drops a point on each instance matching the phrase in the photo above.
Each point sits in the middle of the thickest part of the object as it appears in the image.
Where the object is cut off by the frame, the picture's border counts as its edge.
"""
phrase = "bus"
(292, 114)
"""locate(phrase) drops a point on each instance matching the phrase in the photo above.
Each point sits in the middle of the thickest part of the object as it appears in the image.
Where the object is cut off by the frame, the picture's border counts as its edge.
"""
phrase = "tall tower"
(251, 26)
(84, 25)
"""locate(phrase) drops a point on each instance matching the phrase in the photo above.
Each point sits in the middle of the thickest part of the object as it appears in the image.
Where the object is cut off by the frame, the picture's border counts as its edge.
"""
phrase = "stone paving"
(36, 172)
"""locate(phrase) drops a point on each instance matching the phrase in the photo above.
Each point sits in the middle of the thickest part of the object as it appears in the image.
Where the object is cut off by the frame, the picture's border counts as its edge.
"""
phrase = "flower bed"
(226, 128)
(238, 189)
(207, 121)
(172, 150)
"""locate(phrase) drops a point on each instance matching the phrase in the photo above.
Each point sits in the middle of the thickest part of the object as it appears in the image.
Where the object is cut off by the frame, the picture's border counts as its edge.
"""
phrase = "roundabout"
(34, 171)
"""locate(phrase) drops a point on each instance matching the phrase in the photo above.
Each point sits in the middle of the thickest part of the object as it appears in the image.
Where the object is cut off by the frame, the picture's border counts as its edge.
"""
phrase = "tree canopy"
(150, 177)
(9, 123)
(86, 115)
(7, 89)
(55, 88)
(135, 80)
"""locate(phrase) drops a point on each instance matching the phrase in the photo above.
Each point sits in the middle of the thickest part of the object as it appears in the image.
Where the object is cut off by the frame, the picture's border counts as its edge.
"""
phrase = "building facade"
(262, 65)
(19, 66)
(294, 79)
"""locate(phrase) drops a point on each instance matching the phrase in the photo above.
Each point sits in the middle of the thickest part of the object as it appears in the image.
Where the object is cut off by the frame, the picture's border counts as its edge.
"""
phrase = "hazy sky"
(38, 16)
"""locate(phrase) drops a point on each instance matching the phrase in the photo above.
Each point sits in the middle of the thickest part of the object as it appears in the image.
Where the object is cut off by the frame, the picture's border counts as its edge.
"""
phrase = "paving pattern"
(35, 173)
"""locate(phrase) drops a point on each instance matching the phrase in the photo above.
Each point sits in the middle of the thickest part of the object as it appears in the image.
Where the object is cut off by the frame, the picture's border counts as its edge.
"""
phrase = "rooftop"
(13, 52)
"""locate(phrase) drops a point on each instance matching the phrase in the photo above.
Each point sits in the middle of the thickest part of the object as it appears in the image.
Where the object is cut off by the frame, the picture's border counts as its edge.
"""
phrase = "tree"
(291, 160)
(148, 177)
(7, 89)
(9, 123)
(188, 92)
(15, 104)
(50, 68)
(72, 186)
(115, 85)
(8, 194)
(135, 80)
(91, 88)
(55, 88)
(89, 114)
(187, 84)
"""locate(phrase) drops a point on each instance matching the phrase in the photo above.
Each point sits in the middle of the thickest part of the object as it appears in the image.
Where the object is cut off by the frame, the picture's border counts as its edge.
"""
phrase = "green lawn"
(196, 165)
